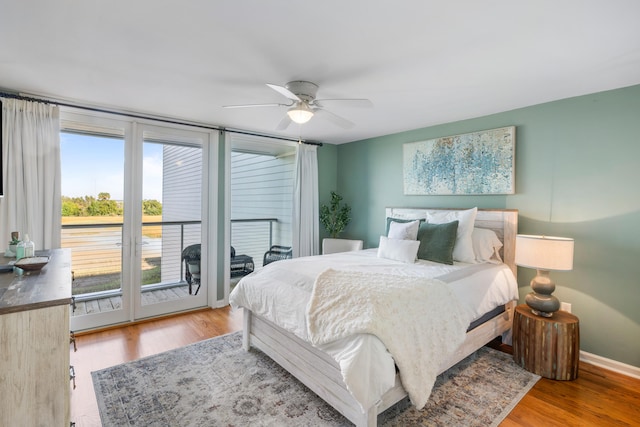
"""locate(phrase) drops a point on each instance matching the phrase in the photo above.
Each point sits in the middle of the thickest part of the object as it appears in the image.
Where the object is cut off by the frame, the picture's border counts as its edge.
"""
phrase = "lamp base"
(541, 313)
(542, 305)
(541, 302)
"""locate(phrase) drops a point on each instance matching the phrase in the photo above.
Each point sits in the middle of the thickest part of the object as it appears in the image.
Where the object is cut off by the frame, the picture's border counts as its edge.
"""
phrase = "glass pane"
(92, 211)
(261, 205)
(172, 192)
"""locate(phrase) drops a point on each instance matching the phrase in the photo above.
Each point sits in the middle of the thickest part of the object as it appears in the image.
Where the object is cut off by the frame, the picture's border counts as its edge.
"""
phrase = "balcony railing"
(97, 252)
(253, 237)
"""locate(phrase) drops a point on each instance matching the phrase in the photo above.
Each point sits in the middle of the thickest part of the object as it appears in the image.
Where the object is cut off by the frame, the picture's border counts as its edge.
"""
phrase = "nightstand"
(547, 346)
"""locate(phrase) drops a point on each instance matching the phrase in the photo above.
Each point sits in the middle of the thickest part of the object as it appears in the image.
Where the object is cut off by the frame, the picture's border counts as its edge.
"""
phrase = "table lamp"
(544, 253)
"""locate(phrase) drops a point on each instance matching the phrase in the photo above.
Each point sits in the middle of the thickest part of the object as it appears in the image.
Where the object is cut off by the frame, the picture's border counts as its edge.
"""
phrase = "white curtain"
(306, 225)
(31, 172)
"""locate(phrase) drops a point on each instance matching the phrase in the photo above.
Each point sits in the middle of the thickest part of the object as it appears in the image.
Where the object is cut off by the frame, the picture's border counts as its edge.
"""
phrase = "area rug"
(216, 383)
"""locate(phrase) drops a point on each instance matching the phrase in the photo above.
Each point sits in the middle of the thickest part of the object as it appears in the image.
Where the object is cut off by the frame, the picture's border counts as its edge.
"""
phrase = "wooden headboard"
(503, 221)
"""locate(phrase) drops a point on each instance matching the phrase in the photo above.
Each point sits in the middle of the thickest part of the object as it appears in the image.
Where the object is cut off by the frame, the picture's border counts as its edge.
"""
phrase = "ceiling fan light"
(300, 113)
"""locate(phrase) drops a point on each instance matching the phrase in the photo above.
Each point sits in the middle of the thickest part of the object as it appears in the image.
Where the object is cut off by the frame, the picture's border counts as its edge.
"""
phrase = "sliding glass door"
(134, 198)
(173, 194)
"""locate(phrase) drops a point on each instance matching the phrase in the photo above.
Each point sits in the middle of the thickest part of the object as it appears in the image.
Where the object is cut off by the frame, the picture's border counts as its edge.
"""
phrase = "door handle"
(139, 244)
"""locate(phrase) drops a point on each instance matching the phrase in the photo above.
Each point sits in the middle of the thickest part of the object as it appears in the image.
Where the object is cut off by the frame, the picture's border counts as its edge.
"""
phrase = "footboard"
(312, 367)
(320, 373)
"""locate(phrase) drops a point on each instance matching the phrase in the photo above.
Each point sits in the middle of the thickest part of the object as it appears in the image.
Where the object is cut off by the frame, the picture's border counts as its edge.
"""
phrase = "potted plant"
(13, 243)
(335, 218)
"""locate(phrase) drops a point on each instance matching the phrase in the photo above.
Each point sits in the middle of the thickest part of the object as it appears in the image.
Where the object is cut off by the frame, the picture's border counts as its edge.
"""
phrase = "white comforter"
(419, 320)
(282, 290)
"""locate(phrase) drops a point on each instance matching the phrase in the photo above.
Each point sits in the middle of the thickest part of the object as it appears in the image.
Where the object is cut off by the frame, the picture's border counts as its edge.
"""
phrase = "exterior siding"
(181, 201)
(261, 187)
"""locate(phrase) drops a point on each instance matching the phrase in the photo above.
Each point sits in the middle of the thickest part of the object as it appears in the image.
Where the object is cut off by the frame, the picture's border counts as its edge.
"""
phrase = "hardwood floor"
(597, 398)
(99, 350)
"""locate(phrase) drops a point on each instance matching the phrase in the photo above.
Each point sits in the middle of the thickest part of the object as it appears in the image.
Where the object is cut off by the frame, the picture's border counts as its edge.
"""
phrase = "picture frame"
(477, 163)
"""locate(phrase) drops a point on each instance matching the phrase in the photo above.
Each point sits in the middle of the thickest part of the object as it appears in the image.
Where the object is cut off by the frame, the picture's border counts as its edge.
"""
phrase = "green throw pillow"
(437, 241)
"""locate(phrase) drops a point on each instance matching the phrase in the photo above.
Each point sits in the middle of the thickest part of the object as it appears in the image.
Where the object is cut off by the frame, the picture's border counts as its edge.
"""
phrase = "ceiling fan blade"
(285, 92)
(257, 105)
(359, 103)
(334, 118)
(284, 123)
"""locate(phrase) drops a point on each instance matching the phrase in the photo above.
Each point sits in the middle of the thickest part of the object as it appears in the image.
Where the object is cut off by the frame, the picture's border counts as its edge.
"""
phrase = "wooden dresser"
(34, 344)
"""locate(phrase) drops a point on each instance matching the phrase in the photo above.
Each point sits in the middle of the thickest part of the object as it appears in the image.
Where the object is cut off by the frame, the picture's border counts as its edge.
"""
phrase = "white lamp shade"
(300, 113)
(544, 252)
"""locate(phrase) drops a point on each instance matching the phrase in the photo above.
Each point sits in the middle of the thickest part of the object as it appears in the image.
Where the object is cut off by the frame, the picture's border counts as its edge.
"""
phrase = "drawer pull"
(72, 340)
(72, 375)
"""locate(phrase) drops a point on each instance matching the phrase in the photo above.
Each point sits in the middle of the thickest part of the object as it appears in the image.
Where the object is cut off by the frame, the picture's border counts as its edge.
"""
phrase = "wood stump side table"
(547, 346)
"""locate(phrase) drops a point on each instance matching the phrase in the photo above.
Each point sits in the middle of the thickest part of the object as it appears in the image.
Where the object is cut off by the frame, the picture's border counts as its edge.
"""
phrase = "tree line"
(103, 206)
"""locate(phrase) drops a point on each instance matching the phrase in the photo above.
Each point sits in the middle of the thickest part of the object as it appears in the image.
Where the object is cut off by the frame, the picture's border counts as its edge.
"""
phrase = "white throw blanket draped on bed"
(419, 320)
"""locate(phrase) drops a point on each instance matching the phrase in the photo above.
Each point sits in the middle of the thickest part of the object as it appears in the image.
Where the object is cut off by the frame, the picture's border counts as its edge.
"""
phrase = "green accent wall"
(577, 175)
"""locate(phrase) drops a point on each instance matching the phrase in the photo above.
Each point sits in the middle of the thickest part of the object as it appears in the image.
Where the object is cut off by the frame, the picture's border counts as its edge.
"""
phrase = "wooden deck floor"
(101, 305)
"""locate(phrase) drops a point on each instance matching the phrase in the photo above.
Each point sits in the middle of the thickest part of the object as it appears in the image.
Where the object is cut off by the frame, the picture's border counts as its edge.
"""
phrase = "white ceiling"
(421, 62)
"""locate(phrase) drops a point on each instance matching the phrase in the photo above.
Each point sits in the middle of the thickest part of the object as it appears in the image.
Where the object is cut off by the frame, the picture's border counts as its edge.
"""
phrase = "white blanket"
(419, 320)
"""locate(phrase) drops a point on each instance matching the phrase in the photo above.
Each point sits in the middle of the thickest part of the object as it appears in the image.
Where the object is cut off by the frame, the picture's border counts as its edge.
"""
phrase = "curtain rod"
(162, 120)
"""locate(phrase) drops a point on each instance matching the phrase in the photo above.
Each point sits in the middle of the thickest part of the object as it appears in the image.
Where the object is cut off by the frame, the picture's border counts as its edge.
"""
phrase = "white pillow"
(404, 230)
(398, 249)
(463, 249)
(486, 245)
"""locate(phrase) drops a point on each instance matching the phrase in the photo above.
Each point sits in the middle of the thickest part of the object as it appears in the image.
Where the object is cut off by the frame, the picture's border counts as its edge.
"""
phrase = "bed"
(281, 331)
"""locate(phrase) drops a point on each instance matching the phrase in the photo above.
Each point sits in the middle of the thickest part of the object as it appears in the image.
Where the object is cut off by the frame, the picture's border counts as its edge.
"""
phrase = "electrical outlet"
(565, 306)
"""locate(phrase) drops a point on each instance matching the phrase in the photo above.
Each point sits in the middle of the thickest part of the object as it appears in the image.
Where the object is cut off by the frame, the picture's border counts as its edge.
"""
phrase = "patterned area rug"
(215, 382)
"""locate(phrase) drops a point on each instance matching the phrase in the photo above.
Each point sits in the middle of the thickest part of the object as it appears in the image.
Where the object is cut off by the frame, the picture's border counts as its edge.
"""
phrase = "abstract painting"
(472, 163)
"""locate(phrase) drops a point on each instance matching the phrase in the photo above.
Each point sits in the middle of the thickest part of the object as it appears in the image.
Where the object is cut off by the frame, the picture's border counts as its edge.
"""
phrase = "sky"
(93, 165)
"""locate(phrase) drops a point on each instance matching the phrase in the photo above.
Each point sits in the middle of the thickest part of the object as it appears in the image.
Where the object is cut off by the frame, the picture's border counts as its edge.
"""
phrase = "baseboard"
(220, 303)
(612, 365)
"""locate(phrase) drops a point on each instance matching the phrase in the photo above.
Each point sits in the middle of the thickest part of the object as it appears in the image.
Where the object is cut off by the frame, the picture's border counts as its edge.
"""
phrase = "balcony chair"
(241, 265)
(191, 257)
(276, 253)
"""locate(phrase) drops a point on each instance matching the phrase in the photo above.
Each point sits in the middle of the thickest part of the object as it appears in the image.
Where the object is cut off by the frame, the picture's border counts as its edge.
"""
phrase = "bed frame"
(320, 373)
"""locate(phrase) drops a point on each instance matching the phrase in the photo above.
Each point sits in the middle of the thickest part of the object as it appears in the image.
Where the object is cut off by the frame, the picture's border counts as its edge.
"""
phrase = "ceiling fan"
(303, 105)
